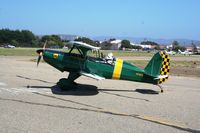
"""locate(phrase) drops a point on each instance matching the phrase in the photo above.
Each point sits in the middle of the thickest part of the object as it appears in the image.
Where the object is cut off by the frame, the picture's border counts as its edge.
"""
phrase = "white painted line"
(25, 90)
(2, 84)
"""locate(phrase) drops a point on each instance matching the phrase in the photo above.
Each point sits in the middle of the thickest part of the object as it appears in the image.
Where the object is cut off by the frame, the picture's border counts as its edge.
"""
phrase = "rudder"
(164, 70)
(158, 67)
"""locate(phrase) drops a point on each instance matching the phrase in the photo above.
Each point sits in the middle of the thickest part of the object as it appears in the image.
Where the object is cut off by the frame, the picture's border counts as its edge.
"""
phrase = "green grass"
(18, 51)
(140, 63)
(127, 53)
(143, 63)
(188, 64)
(32, 52)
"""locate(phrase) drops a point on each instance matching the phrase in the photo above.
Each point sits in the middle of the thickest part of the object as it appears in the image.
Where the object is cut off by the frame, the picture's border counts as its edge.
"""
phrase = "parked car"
(65, 47)
(9, 46)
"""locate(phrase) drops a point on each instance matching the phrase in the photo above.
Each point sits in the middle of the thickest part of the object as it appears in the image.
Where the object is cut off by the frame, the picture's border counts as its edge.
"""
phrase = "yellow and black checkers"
(117, 69)
(164, 70)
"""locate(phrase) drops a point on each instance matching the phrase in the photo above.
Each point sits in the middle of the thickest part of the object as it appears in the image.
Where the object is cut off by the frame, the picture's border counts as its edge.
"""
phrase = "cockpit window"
(76, 51)
(93, 54)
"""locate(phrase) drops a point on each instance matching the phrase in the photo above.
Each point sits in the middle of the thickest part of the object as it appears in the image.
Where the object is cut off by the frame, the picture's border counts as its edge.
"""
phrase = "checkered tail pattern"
(165, 66)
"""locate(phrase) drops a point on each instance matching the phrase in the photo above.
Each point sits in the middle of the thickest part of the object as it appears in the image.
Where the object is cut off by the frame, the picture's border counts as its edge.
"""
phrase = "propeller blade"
(44, 46)
(40, 52)
(38, 61)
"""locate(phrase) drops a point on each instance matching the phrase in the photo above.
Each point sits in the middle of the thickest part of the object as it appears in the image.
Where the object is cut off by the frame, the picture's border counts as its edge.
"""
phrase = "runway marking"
(2, 84)
(16, 91)
(8, 90)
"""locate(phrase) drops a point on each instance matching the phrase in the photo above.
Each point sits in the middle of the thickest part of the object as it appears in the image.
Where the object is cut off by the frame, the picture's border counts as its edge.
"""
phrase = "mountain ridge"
(162, 41)
(157, 40)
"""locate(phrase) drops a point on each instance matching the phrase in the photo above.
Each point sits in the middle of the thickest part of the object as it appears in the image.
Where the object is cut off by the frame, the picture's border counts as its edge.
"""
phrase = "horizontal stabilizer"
(92, 76)
(162, 76)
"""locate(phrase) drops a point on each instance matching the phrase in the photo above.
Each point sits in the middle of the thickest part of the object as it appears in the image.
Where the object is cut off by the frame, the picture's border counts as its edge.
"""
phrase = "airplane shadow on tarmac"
(147, 91)
(85, 90)
(89, 90)
(79, 90)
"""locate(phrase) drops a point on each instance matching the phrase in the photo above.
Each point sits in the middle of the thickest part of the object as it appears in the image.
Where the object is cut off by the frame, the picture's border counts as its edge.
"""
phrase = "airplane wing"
(82, 45)
(94, 76)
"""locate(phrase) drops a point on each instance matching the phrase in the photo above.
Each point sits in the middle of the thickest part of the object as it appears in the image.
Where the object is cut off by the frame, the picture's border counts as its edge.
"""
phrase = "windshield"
(95, 53)
(76, 51)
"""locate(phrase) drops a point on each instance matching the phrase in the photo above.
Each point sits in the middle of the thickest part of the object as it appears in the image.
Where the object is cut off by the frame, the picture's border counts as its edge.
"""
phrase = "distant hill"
(67, 37)
(64, 37)
(183, 42)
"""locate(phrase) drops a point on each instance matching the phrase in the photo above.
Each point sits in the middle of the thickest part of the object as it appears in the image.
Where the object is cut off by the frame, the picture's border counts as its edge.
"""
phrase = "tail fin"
(158, 67)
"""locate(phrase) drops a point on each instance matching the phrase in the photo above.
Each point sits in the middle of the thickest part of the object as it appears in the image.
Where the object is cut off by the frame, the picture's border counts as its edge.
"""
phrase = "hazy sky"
(129, 18)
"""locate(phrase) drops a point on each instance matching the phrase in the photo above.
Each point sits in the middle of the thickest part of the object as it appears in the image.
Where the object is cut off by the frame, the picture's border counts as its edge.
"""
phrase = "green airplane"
(78, 62)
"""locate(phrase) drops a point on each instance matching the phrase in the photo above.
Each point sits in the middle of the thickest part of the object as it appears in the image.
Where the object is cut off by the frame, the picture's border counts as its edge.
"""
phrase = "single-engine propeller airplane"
(80, 63)
(184, 52)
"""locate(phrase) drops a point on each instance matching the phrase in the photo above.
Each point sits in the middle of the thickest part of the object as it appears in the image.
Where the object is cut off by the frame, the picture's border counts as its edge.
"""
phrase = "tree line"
(25, 38)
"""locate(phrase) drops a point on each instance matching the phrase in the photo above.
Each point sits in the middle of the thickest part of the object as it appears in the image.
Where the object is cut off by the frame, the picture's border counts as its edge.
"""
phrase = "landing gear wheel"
(161, 88)
(66, 84)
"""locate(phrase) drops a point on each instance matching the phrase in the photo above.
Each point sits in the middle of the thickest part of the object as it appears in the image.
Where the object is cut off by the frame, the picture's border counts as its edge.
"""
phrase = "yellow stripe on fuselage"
(117, 69)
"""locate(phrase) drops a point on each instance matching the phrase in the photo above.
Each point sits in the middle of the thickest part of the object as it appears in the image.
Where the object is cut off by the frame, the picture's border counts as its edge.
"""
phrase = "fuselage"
(118, 69)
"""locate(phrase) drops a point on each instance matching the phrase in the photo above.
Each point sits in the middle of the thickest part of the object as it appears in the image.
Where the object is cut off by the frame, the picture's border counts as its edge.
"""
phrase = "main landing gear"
(68, 83)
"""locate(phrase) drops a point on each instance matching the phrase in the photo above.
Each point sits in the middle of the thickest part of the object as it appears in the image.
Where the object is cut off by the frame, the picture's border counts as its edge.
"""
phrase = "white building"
(116, 44)
(146, 46)
(143, 46)
(135, 44)
(169, 46)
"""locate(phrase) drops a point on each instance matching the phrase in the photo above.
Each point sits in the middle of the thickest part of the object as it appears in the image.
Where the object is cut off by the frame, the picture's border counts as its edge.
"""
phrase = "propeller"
(40, 53)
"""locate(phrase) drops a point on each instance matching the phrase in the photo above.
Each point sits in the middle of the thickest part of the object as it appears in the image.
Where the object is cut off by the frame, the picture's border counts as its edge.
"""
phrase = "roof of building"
(116, 41)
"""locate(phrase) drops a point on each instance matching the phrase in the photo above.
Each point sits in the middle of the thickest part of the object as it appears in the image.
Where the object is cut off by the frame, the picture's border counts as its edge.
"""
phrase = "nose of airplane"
(39, 51)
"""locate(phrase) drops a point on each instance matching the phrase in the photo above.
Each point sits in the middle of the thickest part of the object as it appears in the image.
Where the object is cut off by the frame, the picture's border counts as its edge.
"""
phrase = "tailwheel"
(161, 88)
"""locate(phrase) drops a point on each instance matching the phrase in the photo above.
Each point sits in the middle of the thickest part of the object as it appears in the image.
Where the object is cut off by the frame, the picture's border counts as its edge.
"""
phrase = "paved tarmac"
(95, 106)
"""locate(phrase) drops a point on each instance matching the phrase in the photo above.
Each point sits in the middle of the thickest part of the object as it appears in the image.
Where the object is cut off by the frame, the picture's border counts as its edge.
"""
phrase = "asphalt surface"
(30, 102)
